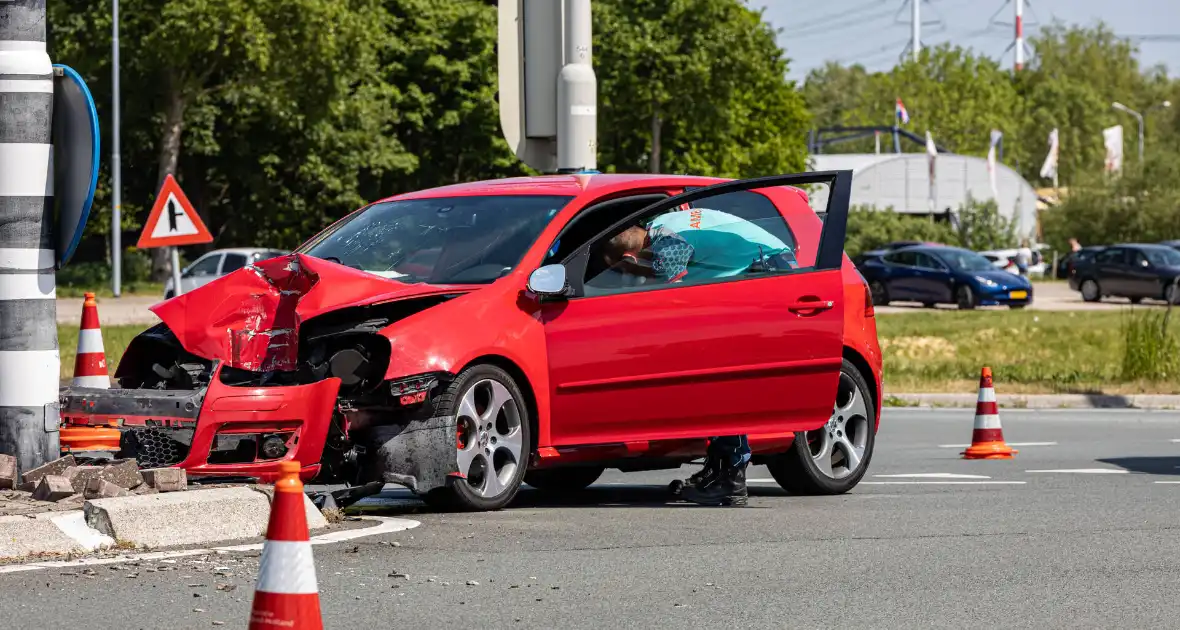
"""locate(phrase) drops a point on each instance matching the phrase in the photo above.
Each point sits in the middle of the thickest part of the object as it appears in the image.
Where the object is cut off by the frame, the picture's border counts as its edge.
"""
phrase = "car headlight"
(987, 282)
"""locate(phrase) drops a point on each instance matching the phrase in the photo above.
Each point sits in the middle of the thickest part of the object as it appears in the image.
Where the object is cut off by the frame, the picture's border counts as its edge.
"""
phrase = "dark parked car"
(933, 274)
(1067, 263)
(1135, 271)
(1172, 244)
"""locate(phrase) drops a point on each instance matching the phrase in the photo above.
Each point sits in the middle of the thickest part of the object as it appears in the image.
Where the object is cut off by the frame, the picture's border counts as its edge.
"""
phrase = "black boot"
(707, 473)
(728, 489)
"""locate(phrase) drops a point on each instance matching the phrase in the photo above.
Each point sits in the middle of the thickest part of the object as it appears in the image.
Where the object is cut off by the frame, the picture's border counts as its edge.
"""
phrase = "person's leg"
(729, 486)
(708, 472)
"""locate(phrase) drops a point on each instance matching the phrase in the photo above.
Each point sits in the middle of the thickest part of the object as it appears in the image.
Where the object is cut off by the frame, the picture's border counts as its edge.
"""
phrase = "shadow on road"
(1147, 465)
(402, 502)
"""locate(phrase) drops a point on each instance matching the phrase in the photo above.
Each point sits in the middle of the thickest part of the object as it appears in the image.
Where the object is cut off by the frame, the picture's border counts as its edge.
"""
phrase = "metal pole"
(29, 360)
(116, 164)
(176, 288)
(1019, 35)
(916, 28)
(577, 94)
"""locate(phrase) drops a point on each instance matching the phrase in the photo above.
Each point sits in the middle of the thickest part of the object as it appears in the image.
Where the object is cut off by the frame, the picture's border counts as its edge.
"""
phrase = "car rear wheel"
(563, 479)
(833, 458)
(492, 439)
(1091, 291)
(880, 293)
(965, 298)
(1172, 294)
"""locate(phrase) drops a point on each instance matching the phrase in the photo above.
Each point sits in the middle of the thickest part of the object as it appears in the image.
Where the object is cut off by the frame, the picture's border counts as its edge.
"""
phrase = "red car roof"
(572, 185)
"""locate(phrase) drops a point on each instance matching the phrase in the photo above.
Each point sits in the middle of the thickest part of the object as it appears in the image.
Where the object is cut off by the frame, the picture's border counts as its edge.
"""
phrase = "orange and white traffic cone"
(90, 364)
(286, 595)
(987, 440)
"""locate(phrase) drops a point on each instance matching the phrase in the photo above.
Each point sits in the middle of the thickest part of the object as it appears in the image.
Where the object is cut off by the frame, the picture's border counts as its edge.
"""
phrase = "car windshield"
(1163, 257)
(963, 260)
(450, 240)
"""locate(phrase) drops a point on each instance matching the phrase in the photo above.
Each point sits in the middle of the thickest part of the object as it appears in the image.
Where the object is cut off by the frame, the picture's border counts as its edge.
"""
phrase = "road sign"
(75, 158)
(173, 221)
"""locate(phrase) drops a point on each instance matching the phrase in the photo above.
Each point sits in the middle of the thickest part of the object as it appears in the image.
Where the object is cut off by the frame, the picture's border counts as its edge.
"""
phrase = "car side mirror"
(548, 281)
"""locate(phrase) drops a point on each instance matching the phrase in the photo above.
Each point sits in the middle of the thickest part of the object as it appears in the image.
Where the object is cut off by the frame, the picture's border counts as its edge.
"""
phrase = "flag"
(932, 151)
(1113, 139)
(1049, 168)
(991, 163)
(901, 113)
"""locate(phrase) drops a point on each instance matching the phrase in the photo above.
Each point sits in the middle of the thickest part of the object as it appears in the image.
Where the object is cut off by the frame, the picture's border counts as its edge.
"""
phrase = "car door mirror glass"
(548, 280)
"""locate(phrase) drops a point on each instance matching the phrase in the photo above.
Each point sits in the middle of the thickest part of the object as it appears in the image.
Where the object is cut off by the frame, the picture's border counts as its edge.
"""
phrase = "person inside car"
(695, 244)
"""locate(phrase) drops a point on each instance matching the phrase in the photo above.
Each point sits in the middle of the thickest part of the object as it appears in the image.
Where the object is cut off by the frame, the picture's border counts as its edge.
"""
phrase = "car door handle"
(813, 304)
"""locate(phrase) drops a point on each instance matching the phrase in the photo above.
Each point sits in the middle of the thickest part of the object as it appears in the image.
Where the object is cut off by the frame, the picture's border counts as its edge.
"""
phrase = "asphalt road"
(1047, 296)
(1041, 541)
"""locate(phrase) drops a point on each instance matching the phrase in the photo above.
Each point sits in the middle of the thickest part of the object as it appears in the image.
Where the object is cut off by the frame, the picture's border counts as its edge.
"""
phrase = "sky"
(875, 32)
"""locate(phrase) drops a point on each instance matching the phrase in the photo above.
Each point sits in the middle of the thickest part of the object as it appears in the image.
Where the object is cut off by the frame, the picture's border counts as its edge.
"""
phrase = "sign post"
(173, 222)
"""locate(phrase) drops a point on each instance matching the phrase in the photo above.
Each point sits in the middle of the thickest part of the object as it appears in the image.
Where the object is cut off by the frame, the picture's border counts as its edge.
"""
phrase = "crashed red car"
(465, 339)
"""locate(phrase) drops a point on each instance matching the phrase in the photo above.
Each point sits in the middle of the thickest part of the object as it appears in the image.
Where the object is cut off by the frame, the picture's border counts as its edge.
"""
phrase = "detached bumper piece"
(218, 431)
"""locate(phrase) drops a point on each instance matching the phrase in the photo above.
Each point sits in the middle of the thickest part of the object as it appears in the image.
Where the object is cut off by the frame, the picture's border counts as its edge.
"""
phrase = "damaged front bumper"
(218, 430)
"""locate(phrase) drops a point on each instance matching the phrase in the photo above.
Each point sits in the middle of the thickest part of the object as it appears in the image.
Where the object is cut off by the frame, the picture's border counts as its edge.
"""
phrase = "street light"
(1139, 117)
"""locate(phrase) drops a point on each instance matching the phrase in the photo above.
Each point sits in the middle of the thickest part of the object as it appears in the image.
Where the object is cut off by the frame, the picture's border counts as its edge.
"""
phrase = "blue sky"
(874, 32)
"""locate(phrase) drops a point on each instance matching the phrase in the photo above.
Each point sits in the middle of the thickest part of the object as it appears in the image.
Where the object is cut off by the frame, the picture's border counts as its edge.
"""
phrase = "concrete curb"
(1040, 401)
(156, 520)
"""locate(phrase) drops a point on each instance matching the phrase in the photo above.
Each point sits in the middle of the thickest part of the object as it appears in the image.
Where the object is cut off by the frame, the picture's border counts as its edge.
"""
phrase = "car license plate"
(1018, 295)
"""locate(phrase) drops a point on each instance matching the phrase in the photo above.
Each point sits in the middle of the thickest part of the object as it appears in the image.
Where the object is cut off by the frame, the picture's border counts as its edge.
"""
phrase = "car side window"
(728, 236)
(926, 261)
(206, 266)
(1110, 257)
(1138, 259)
(909, 259)
(233, 262)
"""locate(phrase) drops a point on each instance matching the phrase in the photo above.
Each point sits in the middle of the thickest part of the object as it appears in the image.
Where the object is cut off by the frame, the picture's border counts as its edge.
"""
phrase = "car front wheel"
(492, 440)
(833, 458)
(965, 298)
(1090, 291)
(879, 292)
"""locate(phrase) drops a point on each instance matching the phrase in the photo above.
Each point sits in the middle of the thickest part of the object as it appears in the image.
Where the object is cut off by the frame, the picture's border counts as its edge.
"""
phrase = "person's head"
(626, 244)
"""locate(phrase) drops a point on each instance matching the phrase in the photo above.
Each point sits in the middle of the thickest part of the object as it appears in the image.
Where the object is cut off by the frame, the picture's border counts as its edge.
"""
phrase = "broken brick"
(102, 489)
(27, 486)
(80, 475)
(123, 473)
(55, 467)
(166, 479)
(53, 488)
(7, 472)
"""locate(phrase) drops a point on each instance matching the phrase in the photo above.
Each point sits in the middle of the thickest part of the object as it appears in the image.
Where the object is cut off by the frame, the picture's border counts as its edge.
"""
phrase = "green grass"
(154, 289)
(1029, 352)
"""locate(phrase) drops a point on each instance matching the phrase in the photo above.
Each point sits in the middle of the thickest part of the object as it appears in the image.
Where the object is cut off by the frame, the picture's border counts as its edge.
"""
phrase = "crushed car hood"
(250, 318)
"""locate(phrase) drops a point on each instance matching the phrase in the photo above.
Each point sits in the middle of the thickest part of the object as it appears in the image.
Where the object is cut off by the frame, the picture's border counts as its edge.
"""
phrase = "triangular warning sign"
(173, 221)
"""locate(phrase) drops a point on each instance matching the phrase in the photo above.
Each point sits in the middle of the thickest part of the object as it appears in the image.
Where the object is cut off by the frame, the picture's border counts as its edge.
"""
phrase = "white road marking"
(943, 483)
(1009, 444)
(1174, 440)
(1083, 471)
(937, 476)
(385, 525)
(1168, 482)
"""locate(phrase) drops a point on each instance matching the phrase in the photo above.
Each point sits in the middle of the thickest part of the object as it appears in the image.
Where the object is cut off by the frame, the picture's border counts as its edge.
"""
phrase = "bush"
(982, 227)
(870, 228)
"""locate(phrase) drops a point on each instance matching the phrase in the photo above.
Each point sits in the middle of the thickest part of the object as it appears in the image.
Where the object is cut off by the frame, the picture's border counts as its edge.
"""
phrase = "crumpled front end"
(282, 360)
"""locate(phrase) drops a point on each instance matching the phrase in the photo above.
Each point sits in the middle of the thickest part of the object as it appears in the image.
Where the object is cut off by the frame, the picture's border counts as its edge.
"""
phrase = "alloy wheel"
(489, 438)
(838, 447)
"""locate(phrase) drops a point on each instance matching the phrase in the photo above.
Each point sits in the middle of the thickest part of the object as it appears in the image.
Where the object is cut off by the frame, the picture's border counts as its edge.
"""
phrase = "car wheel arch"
(862, 365)
(526, 387)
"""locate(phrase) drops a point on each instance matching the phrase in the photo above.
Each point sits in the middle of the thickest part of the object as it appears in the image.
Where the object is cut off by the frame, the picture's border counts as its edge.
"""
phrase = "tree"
(694, 86)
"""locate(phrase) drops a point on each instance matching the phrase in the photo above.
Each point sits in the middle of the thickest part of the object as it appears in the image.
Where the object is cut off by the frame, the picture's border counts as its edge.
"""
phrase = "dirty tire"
(796, 470)
(460, 494)
(570, 479)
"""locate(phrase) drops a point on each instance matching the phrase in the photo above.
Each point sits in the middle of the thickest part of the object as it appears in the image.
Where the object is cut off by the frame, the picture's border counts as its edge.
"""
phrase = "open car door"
(708, 349)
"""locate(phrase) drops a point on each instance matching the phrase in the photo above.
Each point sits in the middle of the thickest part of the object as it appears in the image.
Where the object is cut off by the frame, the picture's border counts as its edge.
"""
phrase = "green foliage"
(982, 227)
(869, 229)
(1151, 349)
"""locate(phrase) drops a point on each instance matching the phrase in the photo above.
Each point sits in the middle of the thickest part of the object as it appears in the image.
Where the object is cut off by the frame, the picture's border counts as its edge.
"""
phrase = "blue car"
(942, 275)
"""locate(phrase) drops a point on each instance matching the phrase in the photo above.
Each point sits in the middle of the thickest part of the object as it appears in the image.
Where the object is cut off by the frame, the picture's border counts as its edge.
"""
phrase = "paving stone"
(103, 489)
(55, 467)
(7, 472)
(80, 475)
(53, 488)
(123, 473)
(166, 479)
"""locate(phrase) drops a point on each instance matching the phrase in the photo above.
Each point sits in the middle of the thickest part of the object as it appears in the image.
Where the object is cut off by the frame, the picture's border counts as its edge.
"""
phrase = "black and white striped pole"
(29, 361)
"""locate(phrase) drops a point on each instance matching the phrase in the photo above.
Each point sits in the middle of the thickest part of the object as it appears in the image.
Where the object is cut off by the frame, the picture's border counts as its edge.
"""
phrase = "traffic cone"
(987, 440)
(286, 594)
(90, 364)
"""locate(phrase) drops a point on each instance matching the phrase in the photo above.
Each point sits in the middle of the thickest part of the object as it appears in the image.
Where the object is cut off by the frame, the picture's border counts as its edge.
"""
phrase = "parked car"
(943, 275)
(1175, 244)
(465, 339)
(1067, 262)
(1006, 259)
(218, 263)
(1134, 271)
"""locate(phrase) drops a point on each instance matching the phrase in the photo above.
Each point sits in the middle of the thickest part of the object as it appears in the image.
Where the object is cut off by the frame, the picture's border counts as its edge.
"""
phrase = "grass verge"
(1029, 352)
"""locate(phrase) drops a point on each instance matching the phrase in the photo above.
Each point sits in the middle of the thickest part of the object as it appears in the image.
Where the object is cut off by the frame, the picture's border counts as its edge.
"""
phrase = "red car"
(465, 339)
